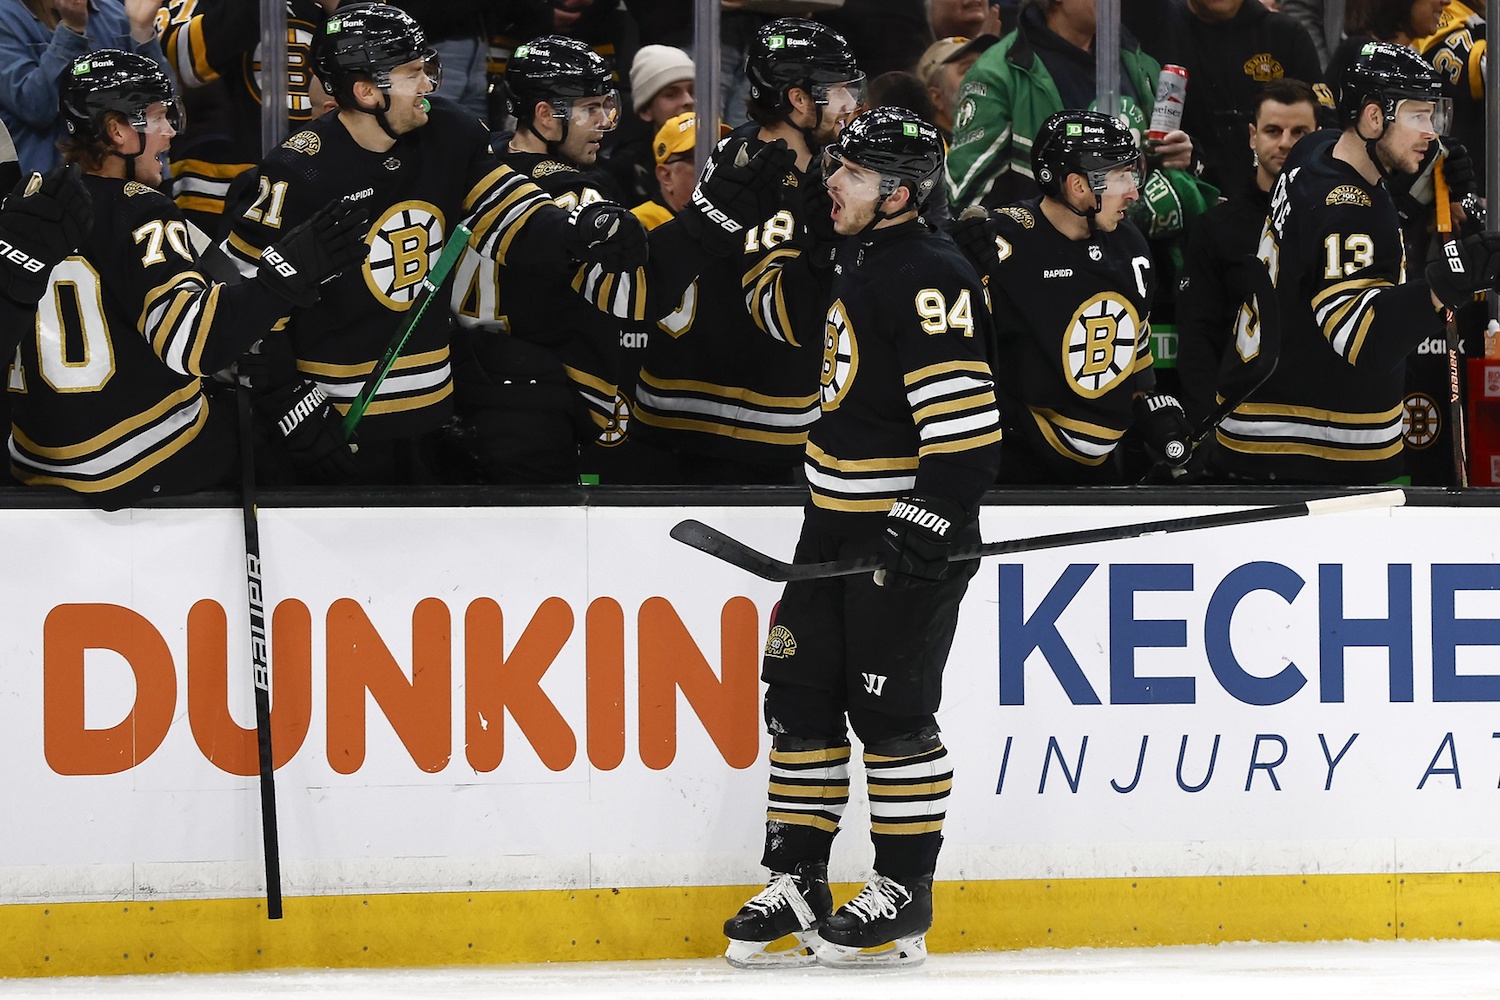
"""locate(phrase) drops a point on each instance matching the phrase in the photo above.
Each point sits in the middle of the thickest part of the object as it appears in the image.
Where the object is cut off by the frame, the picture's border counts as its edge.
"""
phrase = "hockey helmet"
(1083, 142)
(111, 80)
(559, 70)
(369, 40)
(791, 52)
(894, 142)
(1385, 73)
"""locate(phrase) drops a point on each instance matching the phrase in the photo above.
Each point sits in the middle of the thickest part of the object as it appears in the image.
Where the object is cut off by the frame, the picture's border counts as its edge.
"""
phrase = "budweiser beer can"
(1171, 93)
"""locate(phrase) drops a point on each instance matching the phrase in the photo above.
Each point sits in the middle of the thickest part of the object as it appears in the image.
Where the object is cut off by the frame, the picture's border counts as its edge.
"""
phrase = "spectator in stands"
(661, 88)
(460, 31)
(675, 174)
(1213, 281)
(38, 40)
(1230, 49)
(941, 70)
(963, 18)
(885, 35)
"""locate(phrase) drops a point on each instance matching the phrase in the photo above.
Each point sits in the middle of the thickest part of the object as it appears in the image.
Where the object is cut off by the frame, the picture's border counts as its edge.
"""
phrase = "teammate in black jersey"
(107, 395)
(423, 165)
(730, 404)
(1331, 411)
(1071, 282)
(906, 445)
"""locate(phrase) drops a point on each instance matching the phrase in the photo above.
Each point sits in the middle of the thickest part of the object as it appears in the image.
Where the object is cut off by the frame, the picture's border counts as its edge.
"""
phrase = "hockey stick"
(1456, 429)
(259, 668)
(719, 545)
(431, 285)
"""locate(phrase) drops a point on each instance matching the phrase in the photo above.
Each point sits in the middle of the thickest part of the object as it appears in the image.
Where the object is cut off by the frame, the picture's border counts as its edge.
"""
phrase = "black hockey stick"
(1456, 429)
(259, 668)
(719, 545)
(431, 285)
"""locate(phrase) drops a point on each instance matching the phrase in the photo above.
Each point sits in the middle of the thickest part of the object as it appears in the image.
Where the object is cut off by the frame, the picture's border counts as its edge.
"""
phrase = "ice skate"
(790, 907)
(884, 926)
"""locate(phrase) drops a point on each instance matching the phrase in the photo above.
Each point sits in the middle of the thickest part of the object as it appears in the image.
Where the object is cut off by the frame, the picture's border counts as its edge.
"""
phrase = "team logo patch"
(1421, 420)
(965, 114)
(1263, 68)
(404, 245)
(1096, 252)
(781, 644)
(308, 142)
(1099, 348)
(840, 356)
(133, 188)
(1348, 194)
(548, 167)
(1023, 216)
(618, 428)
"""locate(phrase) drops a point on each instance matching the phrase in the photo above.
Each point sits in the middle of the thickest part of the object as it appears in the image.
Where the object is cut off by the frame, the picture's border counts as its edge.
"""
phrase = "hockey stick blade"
(431, 285)
(708, 539)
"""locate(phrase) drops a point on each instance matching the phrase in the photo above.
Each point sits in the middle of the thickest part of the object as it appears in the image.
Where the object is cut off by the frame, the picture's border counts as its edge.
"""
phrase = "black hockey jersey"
(712, 381)
(1072, 332)
(907, 397)
(106, 393)
(440, 174)
(1331, 412)
(209, 40)
(543, 309)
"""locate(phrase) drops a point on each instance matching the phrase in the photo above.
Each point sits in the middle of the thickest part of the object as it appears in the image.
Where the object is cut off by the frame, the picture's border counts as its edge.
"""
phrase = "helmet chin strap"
(379, 115)
(130, 158)
(553, 148)
(1088, 214)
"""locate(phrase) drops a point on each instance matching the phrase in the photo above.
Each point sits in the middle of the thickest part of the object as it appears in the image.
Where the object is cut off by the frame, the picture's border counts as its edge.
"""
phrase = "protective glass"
(600, 113)
(841, 98)
(1435, 117)
(1120, 180)
(856, 183)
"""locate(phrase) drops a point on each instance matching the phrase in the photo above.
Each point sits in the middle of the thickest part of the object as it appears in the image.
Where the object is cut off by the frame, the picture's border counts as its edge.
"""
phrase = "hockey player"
(107, 395)
(1331, 412)
(730, 404)
(425, 166)
(215, 44)
(1071, 283)
(907, 443)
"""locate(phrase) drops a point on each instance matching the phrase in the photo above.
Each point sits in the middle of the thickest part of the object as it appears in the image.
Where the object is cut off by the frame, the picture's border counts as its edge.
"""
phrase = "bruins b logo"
(404, 245)
(1099, 348)
(840, 356)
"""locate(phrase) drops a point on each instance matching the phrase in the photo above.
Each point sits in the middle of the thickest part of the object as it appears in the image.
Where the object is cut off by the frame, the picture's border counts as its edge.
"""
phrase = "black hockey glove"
(1164, 428)
(974, 232)
(737, 191)
(606, 234)
(309, 430)
(330, 241)
(1458, 171)
(1466, 267)
(919, 533)
(43, 219)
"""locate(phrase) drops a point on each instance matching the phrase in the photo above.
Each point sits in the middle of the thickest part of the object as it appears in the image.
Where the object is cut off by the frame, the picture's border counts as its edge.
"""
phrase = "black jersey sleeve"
(204, 39)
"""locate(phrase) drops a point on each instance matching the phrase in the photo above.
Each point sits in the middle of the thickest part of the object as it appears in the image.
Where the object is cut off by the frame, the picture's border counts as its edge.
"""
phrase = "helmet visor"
(840, 98)
(600, 113)
(1123, 179)
(1431, 116)
(857, 183)
(159, 118)
(432, 67)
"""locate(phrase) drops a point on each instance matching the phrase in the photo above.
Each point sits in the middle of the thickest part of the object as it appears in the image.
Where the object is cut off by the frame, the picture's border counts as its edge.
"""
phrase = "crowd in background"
(1259, 75)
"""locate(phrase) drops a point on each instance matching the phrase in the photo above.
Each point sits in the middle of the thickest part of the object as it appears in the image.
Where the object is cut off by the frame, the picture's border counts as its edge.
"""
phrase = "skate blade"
(900, 953)
(762, 954)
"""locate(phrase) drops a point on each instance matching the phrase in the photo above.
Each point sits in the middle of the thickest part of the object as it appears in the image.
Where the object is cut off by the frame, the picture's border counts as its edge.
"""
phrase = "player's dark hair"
(1284, 91)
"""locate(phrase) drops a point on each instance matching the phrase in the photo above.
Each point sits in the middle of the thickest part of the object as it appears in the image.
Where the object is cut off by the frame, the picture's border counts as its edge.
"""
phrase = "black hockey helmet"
(111, 80)
(1385, 73)
(792, 52)
(369, 40)
(894, 142)
(1082, 142)
(558, 70)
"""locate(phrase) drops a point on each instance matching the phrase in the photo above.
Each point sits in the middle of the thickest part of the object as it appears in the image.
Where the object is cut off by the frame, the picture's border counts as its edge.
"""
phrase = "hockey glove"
(1466, 267)
(308, 428)
(608, 235)
(737, 191)
(43, 219)
(919, 533)
(1164, 428)
(974, 232)
(310, 254)
(1458, 171)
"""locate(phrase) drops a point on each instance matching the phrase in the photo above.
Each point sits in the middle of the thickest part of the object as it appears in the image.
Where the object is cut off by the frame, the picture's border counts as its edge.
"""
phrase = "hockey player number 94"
(932, 306)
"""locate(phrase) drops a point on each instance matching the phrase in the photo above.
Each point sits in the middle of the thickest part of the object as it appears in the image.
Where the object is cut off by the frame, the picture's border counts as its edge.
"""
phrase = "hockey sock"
(808, 792)
(909, 783)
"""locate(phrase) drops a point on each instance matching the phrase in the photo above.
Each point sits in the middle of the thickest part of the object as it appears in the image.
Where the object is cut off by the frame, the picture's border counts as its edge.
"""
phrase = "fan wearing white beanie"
(661, 84)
